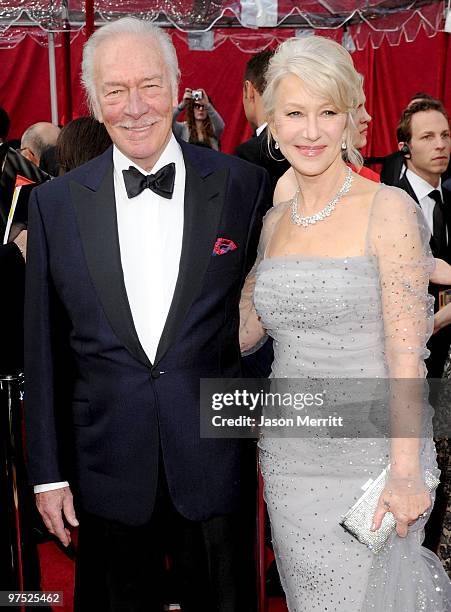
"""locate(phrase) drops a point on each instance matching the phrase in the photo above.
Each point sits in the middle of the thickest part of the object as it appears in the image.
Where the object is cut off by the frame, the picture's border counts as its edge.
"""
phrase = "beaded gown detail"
(344, 317)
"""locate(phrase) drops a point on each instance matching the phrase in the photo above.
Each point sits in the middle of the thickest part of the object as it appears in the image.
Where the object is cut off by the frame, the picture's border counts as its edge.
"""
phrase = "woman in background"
(203, 126)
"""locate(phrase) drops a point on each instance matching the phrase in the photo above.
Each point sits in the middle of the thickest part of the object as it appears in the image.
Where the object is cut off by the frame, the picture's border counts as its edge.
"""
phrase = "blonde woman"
(340, 284)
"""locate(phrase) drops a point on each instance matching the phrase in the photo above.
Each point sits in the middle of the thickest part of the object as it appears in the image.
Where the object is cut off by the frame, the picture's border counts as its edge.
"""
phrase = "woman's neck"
(317, 191)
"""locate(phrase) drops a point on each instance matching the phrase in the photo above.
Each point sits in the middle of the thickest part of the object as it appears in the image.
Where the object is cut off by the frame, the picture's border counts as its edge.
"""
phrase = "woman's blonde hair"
(326, 69)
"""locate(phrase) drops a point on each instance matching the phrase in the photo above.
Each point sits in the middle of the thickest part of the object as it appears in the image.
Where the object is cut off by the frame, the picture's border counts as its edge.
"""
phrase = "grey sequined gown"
(328, 318)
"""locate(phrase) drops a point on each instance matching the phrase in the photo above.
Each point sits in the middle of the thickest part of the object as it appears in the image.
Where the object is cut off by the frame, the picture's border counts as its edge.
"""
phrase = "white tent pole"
(52, 71)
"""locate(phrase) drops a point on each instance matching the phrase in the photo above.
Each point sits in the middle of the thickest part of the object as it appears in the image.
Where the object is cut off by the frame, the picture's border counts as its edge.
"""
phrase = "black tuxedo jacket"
(391, 168)
(255, 150)
(124, 408)
(439, 343)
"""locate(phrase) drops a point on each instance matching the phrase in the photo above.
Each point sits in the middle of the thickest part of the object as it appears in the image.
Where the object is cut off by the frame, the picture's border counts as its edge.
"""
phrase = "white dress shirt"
(150, 239)
(260, 129)
(422, 188)
(150, 231)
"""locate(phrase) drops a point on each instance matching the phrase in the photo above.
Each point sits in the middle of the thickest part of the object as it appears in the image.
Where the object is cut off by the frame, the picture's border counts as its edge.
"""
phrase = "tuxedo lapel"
(95, 207)
(204, 200)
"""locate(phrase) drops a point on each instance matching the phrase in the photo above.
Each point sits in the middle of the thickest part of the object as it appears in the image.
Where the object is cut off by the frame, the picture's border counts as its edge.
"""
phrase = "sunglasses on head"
(198, 106)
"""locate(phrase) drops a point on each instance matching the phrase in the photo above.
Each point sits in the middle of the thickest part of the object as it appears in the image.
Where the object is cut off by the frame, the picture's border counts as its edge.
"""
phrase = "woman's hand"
(204, 99)
(187, 95)
(442, 318)
(406, 508)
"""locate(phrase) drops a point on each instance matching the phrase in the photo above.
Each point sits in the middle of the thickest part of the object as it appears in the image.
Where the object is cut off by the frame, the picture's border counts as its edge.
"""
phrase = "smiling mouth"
(140, 128)
(311, 151)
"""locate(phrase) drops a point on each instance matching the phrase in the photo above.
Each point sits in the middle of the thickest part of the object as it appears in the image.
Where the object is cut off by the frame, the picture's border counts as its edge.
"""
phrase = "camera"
(196, 94)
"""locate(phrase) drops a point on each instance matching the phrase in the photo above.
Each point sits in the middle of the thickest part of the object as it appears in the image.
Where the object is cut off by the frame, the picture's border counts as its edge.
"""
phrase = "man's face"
(430, 145)
(134, 97)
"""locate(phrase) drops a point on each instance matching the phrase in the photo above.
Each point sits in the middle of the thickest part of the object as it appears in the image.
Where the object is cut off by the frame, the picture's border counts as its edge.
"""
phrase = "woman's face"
(309, 128)
(200, 112)
(362, 119)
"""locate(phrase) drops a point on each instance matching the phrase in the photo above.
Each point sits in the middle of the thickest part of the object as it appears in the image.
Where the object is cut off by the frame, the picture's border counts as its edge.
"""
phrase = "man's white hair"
(127, 25)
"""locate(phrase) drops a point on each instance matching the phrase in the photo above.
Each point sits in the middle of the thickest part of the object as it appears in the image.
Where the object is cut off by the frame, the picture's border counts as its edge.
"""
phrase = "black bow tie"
(162, 182)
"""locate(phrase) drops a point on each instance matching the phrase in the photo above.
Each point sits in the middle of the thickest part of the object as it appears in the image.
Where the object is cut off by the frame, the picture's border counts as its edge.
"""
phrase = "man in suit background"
(144, 251)
(394, 166)
(37, 138)
(256, 148)
(424, 140)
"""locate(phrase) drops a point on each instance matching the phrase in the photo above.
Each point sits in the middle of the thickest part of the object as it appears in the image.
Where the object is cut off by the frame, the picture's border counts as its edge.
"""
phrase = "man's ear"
(248, 91)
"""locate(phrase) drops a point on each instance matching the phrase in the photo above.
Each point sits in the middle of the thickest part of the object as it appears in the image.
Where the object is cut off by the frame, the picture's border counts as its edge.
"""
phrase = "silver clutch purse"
(358, 520)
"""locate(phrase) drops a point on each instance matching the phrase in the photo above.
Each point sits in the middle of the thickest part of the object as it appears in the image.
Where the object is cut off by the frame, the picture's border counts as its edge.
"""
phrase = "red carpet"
(57, 574)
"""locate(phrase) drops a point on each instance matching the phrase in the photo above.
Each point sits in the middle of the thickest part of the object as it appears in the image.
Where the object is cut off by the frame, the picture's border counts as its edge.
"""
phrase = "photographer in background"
(204, 125)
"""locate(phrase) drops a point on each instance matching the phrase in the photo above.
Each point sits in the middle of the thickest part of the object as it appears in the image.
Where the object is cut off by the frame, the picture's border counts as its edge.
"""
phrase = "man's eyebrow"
(112, 84)
(122, 84)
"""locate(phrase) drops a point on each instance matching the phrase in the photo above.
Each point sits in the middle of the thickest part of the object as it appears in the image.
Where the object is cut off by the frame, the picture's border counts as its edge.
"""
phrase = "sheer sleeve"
(398, 236)
(252, 333)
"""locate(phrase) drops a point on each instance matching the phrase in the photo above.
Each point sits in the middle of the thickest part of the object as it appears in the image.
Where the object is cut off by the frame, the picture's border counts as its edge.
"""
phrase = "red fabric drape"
(392, 75)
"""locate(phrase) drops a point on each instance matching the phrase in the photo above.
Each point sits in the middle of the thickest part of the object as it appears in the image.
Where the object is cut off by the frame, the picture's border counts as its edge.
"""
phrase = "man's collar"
(421, 187)
(171, 153)
(260, 129)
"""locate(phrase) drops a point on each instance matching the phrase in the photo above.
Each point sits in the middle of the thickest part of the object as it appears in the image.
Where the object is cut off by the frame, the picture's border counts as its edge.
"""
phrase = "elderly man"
(37, 138)
(144, 250)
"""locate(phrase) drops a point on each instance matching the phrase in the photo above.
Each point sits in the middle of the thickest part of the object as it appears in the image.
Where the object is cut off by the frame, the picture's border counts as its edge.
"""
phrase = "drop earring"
(276, 144)
(344, 146)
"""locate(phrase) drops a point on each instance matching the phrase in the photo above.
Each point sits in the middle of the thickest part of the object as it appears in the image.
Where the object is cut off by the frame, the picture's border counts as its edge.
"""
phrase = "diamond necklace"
(327, 210)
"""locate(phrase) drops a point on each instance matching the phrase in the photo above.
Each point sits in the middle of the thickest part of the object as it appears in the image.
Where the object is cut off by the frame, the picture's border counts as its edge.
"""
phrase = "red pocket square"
(223, 245)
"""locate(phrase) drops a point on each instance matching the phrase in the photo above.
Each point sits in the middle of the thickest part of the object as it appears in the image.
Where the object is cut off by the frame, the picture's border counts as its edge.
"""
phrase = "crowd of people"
(159, 261)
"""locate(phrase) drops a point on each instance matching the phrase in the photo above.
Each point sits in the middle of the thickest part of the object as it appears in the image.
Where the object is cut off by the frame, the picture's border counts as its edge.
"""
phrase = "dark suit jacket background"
(124, 408)
(13, 163)
(12, 279)
(255, 150)
(391, 168)
(439, 343)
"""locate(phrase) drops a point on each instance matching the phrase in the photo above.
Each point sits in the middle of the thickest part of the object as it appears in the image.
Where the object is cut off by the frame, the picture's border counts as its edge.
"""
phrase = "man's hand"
(54, 506)
(442, 318)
